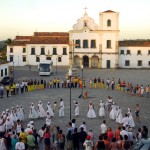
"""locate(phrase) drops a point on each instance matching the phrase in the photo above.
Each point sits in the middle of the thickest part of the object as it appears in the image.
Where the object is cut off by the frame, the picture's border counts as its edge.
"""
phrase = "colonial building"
(30, 50)
(96, 46)
(134, 54)
(93, 45)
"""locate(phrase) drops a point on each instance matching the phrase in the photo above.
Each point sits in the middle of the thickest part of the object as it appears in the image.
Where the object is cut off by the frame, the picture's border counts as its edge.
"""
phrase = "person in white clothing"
(21, 113)
(83, 126)
(123, 132)
(91, 111)
(88, 144)
(125, 121)
(113, 111)
(61, 108)
(20, 145)
(131, 121)
(103, 127)
(41, 110)
(49, 109)
(119, 116)
(33, 114)
(48, 118)
(2, 142)
(2, 124)
(28, 129)
(102, 109)
(76, 108)
(9, 124)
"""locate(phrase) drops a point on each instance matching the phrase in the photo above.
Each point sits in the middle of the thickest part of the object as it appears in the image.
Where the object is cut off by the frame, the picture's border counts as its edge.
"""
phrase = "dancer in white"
(125, 121)
(18, 112)
(113, 111)
(48, 119)
(49, 109)
(2, 124)
(102, 109)
(119, 116)
(91, 111)
(9, 124)
(33, 114)
(76, 108)
(61, 108)
(21, 113)
(41, 110)
(13, 116)
(131, 121)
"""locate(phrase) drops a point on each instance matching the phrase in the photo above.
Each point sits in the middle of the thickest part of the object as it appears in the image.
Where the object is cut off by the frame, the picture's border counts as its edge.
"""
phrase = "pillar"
(90, 62)
(81, 62)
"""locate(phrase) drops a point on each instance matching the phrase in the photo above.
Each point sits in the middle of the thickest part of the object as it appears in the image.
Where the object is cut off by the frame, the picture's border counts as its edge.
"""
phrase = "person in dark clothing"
(35, 134)
(145, 132)
(82, 137)
(75, 139)
(100, 145)
(8, 141)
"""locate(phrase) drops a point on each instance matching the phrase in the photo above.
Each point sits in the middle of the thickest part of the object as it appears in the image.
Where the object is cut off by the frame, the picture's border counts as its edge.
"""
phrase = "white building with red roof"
(90, 44)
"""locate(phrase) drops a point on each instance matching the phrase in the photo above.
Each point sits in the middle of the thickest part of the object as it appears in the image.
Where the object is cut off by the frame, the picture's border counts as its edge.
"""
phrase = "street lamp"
(18, 61)
(82, 81)
(70, 75)
(56, 65)
(13, 70)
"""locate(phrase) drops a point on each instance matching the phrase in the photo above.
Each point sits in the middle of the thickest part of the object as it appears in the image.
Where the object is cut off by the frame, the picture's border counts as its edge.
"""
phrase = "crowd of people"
(13, 136)
(77, 138)
(31, 85)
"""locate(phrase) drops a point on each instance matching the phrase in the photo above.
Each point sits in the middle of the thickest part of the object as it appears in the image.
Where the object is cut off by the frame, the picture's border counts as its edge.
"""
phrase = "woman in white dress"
(21, 113)
(91, 111)
(76, 108)
(2, 124)
(49, 109)
(119, 116)
(102, 109)
(18, 112)
(131, 121)
(41, 110)
(48, 118)
(113, 111)
(9, 124)
(61, 108)
(33, 114)
(13, 116)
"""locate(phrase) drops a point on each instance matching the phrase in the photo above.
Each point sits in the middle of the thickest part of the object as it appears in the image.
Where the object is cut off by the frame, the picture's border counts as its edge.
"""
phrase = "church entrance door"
(86, 61)
(108, 63)
(94, 62)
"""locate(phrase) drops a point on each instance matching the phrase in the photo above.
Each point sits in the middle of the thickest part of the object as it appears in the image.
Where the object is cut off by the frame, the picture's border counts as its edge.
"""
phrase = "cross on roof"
(85, 9)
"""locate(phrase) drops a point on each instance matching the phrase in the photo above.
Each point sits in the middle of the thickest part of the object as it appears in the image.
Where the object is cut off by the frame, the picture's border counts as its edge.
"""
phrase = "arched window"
(108, 23)
(85, 24)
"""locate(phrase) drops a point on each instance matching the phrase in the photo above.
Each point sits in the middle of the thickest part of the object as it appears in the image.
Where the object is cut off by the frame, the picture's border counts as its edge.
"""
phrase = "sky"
(24, 17)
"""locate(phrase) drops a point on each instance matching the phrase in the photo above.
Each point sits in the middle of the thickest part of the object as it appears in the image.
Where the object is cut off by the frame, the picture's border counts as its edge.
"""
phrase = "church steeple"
(85, 10)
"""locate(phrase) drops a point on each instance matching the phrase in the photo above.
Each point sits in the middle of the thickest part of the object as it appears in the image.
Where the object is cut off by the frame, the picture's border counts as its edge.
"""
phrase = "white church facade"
(90, 44)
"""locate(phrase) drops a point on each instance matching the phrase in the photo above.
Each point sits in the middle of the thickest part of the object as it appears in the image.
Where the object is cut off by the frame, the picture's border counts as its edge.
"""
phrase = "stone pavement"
(124, 100)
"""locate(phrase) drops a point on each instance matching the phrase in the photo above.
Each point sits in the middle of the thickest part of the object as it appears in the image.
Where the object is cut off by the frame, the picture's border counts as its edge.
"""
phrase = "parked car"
(7, 80)
(143, 144)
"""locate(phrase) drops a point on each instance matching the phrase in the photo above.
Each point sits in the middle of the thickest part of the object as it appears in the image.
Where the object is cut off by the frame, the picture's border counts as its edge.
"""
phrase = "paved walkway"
(50, 95)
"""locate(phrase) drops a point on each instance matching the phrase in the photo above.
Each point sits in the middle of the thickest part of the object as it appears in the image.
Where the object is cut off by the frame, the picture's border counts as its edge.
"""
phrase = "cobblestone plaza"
(124, 100)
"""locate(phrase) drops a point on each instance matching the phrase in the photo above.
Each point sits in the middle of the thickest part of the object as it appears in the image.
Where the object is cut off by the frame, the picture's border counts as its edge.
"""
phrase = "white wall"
(3, 67)
(106, 57)
(134, 57)
(114, 17)
(17, 55)
(31, 59)
(85, 35)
